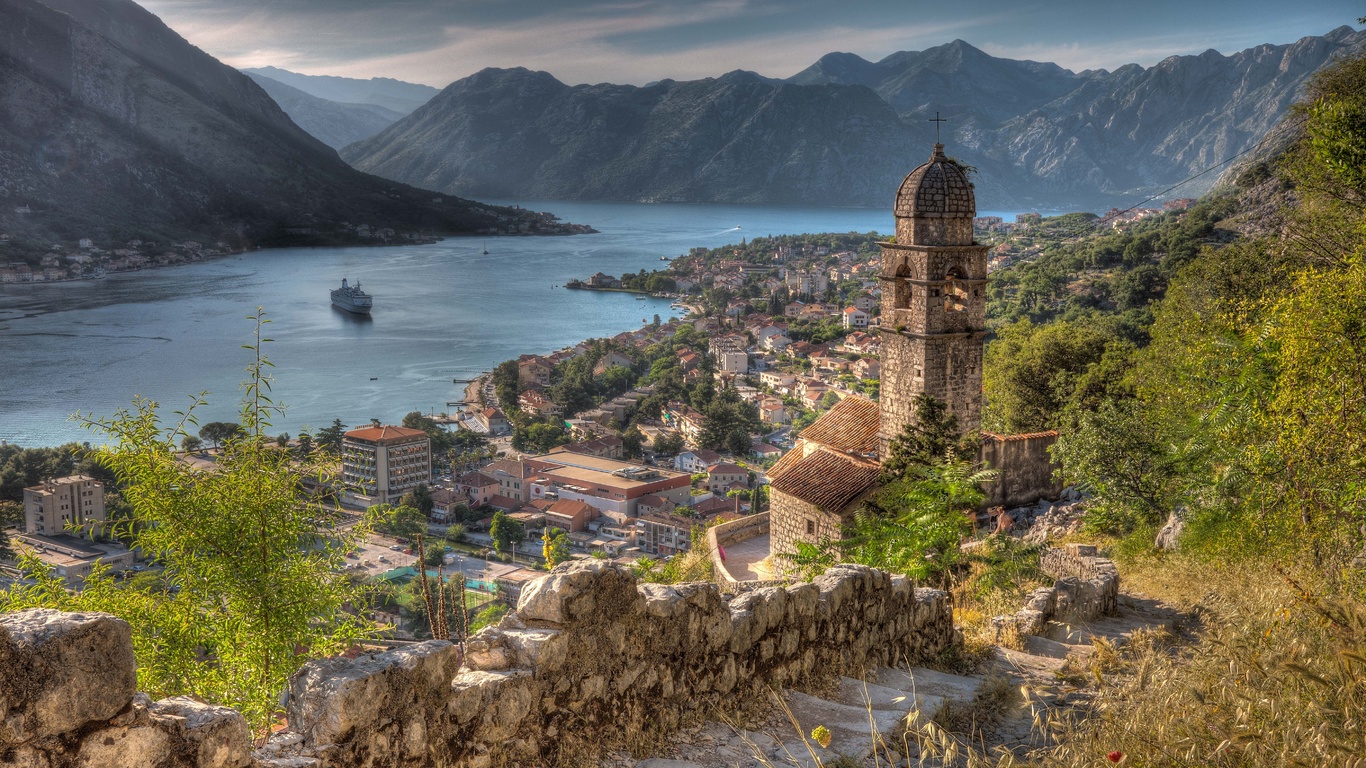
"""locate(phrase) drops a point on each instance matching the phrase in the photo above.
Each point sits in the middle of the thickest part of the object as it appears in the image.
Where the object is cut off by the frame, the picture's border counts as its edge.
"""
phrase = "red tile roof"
(850, 427)
(504, 503)
(385, 434)
(726, 468)
(826, 479)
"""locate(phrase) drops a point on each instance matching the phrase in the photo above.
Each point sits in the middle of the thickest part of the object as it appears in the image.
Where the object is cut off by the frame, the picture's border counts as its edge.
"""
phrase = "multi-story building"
(64, 504)
(610, 486)
(730, 354)
(381, 463)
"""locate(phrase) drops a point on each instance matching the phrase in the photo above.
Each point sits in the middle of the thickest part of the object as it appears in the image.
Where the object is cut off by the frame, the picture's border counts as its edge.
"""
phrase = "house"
(513, 476)
(601, 280)
(533, 370)
(611, 360)
(535, 402)
(794, 309)
(476, 488)
(664, 534)
(380, 463)
(865, 302)
(729, 352)
(765, 451)
(688, 360)
(493, 421)
(773, 411)
(445, 502)
(688, 422)
(570, 516)
(609, 485)
(777, 343)
(855, 318)
(867, 368)
(504, 503)
(721, 476)
(777, 380)
(697, 461)
(710, 509)
(651, 504)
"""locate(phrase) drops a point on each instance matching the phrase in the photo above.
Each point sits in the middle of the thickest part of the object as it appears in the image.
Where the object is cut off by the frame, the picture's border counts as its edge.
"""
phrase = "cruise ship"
(351, 298)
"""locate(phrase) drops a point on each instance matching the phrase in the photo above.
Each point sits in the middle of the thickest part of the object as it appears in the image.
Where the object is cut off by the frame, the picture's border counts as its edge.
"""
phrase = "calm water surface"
(442, 311)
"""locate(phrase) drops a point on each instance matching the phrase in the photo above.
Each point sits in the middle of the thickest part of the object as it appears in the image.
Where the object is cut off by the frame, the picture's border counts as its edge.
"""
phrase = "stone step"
(1115, 630)
(929, 682)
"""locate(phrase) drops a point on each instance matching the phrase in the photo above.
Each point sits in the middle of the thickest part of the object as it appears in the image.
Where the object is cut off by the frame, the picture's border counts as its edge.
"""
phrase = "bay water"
(442, 311)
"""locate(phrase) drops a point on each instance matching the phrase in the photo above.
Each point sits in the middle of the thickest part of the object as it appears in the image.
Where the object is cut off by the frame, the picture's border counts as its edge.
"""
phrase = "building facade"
(381, 463)
(63, 504)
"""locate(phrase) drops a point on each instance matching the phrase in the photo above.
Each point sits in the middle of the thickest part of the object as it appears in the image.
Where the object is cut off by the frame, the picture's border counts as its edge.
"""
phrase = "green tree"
(402, 521)
(11, 514)
(219, 432)
(931, 439)
(303, 447)
(281, 440)
(631, 442)
(538, 437)
(330, 437)
(191, 444)
(667, 443)
(506, 532)
(255, 568)
(922, 520)
(420, 498)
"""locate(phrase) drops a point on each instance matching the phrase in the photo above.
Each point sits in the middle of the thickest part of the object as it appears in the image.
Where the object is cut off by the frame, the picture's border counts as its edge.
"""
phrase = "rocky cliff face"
(843, 131)
(115, 127)
(334, 123)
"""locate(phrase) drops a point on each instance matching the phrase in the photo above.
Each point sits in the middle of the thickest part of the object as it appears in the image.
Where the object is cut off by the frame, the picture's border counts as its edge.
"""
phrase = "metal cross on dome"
(937, 120)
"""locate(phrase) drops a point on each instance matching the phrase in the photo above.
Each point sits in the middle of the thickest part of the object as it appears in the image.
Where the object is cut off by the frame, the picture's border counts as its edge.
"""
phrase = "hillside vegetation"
(1222, 378)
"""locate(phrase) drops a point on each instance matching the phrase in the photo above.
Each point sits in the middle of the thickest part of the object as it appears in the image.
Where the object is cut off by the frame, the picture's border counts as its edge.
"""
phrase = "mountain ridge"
(1041, 135)
(116, 128)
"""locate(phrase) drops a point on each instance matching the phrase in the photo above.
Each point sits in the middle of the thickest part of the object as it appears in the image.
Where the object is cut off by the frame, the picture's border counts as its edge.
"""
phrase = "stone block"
(204, 735)
(335, 701)
(62, 671)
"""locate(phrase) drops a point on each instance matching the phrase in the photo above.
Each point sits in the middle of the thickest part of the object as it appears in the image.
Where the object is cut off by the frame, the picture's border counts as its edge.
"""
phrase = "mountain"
(114, 127)
(737, 138)
(385, 92)
(842, 131)
(334, 123)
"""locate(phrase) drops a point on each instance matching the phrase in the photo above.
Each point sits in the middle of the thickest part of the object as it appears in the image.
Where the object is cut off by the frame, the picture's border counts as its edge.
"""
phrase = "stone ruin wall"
(1085, 588)
(591, 659)
(1027, 469)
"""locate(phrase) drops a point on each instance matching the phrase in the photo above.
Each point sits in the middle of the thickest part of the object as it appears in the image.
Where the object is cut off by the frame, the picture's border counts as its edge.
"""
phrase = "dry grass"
(1277, 677)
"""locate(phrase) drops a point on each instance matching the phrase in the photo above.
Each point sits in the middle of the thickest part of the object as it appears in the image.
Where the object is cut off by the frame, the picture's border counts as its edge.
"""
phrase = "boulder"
(60, 671)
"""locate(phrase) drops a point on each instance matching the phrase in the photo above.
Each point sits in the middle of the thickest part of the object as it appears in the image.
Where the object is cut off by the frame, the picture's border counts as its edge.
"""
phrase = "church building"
(933, 282)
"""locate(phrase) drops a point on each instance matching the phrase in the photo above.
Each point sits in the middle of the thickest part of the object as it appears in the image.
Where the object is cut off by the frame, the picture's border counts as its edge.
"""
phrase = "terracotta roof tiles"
(850, 427)
(826, 479)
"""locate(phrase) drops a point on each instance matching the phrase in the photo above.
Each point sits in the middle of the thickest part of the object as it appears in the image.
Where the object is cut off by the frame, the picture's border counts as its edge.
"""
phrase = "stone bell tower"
(933, 282)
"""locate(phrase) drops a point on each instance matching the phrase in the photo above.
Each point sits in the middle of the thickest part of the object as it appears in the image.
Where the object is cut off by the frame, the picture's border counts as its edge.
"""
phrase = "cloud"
(637, 41)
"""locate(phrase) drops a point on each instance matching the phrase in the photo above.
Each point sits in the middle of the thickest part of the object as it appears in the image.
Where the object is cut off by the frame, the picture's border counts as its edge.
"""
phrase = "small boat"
(374, 378)
(642, 298)
(486, 248)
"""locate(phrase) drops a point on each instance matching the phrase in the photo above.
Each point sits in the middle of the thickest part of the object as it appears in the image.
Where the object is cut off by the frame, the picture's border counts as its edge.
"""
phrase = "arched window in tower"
(901, 289)
(955, 292)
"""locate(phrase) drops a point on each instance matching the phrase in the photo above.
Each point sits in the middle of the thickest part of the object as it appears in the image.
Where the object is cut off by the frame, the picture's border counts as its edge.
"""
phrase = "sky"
(638, 41)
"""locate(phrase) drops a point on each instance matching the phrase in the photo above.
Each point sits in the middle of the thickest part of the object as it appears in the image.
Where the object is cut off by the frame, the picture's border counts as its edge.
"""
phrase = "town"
(624, 448)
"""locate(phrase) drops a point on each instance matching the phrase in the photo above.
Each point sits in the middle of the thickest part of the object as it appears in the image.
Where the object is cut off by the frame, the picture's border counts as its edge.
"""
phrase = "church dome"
(937, 189)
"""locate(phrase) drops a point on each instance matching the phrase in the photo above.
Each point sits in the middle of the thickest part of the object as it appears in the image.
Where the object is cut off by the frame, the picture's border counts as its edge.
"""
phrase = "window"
(810, 527)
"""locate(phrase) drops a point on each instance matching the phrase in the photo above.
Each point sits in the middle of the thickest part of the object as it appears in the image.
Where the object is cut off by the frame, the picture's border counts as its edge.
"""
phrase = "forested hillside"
(1218, 380)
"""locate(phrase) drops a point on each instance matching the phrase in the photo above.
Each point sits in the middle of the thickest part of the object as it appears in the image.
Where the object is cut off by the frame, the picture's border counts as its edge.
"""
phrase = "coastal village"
(623, 448)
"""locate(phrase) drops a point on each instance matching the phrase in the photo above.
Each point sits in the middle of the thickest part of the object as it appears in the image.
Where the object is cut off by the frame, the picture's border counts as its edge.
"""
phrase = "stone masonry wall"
(590, 659)
(1086, 587)
(793, 520)
(1025, 465)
